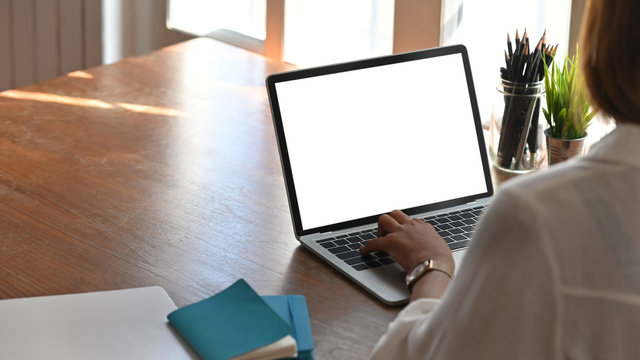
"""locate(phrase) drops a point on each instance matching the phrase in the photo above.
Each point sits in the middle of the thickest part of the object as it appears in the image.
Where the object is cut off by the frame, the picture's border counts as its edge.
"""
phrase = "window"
(466, 22)
(310, 33)
(241, 22)
(317, 32)
(322, 32)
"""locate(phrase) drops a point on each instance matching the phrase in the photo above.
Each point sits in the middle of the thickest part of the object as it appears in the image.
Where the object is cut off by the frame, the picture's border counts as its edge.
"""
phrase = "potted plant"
(568, 111)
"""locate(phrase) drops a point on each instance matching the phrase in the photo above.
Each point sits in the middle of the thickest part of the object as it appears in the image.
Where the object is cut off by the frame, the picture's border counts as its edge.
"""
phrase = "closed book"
(293, 310)
(235, 323)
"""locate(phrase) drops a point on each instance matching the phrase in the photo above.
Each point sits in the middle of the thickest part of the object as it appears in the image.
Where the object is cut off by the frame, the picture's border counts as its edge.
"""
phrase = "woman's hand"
(409, 241)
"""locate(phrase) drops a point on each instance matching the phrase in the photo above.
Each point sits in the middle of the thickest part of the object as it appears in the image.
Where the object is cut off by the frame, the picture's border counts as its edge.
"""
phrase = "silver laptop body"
(360, 139)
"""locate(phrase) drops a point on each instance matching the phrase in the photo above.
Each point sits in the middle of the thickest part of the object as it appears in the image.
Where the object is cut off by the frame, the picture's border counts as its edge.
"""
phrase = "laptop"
(360, 139)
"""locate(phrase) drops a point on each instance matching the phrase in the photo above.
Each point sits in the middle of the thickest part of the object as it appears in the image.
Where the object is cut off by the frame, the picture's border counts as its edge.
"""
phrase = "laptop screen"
(364, 140)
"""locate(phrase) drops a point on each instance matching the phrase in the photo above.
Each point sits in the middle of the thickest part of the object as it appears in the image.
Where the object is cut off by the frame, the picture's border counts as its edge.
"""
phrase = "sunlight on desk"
(80, 74)
(152, 110)
(162, 170)
(53, 98)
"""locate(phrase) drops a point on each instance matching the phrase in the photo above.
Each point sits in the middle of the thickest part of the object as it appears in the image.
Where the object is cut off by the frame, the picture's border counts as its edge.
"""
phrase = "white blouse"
(553, 271)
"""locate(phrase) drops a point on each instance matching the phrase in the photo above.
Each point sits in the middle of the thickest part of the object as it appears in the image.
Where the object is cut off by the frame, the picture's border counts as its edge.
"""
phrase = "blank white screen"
(369, 141)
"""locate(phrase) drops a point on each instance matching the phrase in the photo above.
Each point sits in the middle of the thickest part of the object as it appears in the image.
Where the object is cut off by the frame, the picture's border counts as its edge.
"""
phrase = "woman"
(553, 271)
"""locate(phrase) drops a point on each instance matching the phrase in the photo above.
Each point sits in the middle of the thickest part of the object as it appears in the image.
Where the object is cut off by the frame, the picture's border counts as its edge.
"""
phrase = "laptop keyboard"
(455, 227)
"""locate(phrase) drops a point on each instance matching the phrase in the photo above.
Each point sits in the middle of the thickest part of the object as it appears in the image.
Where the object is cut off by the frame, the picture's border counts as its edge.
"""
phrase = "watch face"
(411, 277)
(418, 269)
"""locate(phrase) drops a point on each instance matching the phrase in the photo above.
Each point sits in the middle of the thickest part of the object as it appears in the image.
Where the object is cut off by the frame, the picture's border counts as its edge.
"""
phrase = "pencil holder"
(516, 143)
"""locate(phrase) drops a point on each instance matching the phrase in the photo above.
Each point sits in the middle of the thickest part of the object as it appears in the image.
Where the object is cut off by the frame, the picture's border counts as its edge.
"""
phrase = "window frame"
(417, 25)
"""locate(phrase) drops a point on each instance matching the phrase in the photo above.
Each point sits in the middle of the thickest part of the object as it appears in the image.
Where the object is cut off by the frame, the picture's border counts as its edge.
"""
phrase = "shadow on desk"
(343, 304)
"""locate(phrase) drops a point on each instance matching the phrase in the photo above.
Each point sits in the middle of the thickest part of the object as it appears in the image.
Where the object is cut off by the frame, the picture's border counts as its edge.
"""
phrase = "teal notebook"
(231, 323)
(293, 309)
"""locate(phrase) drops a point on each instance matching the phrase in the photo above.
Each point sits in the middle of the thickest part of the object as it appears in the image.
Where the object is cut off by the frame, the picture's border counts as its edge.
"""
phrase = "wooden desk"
(162, 170)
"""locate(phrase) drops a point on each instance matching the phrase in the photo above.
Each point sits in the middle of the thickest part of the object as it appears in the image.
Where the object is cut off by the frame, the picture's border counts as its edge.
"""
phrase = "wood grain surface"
(162, 170)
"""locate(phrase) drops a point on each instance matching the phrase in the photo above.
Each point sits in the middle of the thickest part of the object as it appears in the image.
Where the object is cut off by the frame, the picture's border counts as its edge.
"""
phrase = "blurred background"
(41, 39)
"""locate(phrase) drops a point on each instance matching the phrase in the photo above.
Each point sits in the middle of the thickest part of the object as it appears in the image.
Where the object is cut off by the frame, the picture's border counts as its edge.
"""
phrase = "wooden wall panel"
(274, 42)
(46, 40)
(41, 39)
(92, 32)
(6, 67)
(416, 25)
(71, 35)
(22, 39)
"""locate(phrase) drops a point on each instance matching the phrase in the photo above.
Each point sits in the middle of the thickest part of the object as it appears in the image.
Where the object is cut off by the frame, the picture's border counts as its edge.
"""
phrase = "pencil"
(524, 66)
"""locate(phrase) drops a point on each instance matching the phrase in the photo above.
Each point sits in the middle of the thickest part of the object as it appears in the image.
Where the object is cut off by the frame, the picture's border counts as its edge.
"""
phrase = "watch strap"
(424, 267)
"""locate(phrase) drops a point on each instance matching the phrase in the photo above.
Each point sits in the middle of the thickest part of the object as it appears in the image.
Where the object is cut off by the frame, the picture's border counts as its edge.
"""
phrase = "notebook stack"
(239, 324)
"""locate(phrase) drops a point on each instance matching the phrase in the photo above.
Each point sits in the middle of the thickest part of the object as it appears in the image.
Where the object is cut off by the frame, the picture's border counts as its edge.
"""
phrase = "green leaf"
(547, 116)
(568, 111)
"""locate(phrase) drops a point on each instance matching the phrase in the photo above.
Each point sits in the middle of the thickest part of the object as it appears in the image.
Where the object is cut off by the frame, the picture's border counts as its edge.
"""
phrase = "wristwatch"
(423, 268)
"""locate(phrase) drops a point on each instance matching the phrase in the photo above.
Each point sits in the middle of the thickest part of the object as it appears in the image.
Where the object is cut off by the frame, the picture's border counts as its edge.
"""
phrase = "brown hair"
(610, 57)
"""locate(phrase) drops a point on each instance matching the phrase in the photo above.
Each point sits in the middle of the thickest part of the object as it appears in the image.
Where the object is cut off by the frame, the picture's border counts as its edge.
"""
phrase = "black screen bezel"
(273, 79)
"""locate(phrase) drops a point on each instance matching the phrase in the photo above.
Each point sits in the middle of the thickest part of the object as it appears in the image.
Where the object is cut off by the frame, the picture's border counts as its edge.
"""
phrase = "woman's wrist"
(434, 281)
(431, 285)
(426, 266)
